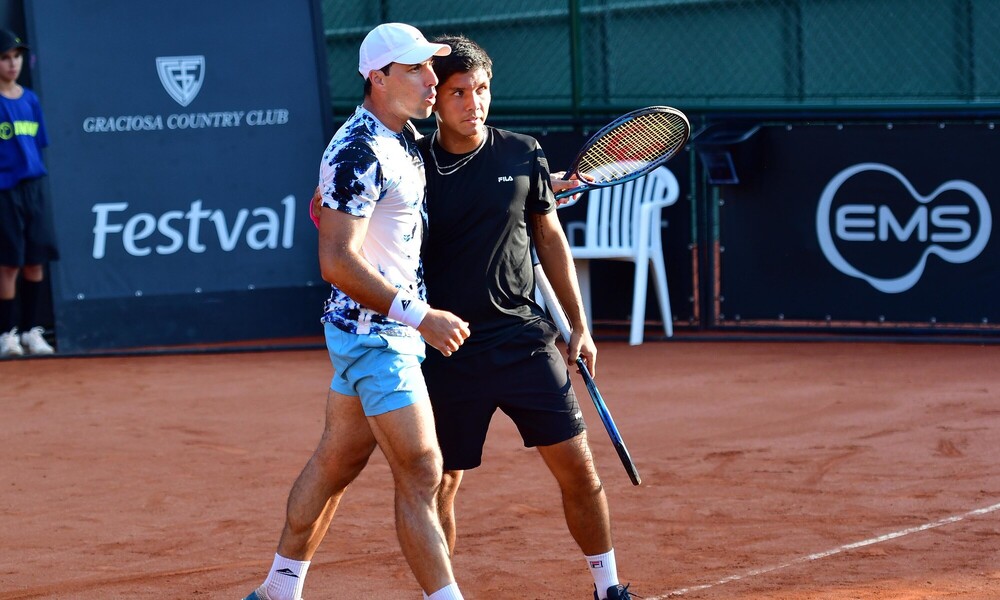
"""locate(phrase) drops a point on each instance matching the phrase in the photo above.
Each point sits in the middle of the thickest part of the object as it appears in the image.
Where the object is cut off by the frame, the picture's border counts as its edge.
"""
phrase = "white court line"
(831, 552)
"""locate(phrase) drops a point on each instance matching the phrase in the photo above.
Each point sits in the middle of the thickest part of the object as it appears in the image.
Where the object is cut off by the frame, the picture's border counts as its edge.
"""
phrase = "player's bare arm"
(341, 264)
(557, 262)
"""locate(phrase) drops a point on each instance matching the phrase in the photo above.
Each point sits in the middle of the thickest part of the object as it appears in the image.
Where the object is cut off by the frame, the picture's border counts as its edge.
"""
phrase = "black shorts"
(525, 377)
(26, 233)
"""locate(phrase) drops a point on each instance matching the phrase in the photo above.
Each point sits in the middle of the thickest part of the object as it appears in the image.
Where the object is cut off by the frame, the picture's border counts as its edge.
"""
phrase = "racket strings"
(633, 145)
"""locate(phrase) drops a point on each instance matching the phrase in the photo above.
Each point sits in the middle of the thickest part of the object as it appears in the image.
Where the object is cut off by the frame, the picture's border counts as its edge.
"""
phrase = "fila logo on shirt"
(504, 178)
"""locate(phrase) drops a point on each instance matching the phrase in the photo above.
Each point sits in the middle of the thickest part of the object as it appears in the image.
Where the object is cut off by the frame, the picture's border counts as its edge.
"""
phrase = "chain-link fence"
(579, 57)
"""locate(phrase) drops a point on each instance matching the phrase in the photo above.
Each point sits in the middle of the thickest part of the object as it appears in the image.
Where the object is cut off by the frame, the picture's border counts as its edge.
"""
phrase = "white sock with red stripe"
(604, 571)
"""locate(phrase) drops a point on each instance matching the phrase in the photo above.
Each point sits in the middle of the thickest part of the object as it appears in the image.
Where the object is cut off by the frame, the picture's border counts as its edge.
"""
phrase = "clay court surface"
(771, 470)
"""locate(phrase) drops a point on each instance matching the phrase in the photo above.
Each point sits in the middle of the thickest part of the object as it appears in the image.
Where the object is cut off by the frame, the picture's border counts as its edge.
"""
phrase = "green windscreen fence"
(579, 57)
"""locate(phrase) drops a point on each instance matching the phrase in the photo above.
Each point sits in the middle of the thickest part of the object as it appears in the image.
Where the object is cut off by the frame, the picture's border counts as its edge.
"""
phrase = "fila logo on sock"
(597, 564)
(287, 572)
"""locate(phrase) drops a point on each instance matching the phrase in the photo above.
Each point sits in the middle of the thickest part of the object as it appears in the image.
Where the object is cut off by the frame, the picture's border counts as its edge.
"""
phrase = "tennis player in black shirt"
(489, 200)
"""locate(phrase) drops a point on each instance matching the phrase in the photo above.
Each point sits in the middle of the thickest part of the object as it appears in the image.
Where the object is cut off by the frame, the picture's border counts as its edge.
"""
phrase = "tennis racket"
(562, 323)
(629, 147)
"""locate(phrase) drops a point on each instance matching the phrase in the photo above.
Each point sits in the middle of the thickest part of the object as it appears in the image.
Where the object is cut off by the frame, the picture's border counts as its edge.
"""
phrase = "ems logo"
(873, 224)
(181, 76)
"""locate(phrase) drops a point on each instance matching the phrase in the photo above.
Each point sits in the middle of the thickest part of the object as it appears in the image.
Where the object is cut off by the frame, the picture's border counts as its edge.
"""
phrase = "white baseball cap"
(396, 42)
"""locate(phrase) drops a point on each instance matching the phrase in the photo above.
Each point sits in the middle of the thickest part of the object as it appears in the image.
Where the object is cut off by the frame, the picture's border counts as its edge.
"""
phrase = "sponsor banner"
(863, 224)
(185, 144)
(185, 140)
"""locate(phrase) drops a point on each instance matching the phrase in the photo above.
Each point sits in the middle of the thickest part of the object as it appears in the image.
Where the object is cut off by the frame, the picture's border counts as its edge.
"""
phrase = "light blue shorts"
(383, 370)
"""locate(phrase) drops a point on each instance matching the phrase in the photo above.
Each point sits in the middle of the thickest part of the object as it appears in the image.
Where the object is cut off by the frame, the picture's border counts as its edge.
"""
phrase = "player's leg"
(541, 402)
(340, 456)
(583, 498)
(545, 409)
(395, 400)
(585, 506)
(461, 390)
(342, 452)
(406, 437)
(450, 482)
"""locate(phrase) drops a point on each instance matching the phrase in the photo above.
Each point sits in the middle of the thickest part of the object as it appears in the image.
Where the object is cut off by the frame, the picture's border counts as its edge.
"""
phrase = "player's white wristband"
(407, 309)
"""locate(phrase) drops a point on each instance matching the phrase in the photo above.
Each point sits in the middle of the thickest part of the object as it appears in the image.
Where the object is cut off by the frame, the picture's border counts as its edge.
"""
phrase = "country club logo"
(874, 225)
(181, 76)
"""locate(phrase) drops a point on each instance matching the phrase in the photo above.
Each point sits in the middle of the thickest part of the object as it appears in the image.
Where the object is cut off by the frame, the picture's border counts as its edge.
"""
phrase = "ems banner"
(185, 140)
(886, 225)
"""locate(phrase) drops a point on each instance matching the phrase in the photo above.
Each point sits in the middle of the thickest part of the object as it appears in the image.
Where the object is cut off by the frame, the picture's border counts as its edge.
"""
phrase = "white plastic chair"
(623, 223)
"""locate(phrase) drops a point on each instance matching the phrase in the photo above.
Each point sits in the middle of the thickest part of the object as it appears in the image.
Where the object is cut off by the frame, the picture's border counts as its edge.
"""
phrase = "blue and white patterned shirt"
(372, 172)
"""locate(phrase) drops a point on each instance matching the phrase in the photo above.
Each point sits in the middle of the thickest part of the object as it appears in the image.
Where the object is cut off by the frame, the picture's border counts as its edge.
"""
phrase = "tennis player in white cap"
(376, 321)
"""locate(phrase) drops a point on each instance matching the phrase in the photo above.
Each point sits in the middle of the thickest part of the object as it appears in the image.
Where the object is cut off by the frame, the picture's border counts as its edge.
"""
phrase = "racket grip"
(626, 458)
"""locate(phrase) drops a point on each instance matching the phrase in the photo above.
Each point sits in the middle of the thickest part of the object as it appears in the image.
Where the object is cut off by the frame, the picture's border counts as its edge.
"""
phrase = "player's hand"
(559, 184)
(315, 206)
(581, 344)
(444, 331)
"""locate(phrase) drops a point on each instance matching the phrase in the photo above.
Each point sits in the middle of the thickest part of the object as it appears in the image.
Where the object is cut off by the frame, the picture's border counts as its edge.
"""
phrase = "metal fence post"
(576, 70)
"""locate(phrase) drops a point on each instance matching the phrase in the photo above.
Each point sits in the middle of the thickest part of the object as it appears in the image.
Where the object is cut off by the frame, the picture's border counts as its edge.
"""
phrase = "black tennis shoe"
(616, 592)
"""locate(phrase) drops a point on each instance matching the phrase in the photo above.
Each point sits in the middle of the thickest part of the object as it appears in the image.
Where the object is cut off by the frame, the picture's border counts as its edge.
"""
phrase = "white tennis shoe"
(33, 341)
(9, 344)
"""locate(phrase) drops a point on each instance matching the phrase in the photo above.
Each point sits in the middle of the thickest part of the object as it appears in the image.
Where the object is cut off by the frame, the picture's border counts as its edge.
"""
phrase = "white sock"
(286, 578)
(449, 592)
(605, 572)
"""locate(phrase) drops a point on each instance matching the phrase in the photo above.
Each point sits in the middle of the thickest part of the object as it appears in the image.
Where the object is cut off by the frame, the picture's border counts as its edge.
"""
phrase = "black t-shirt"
(477, 251)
